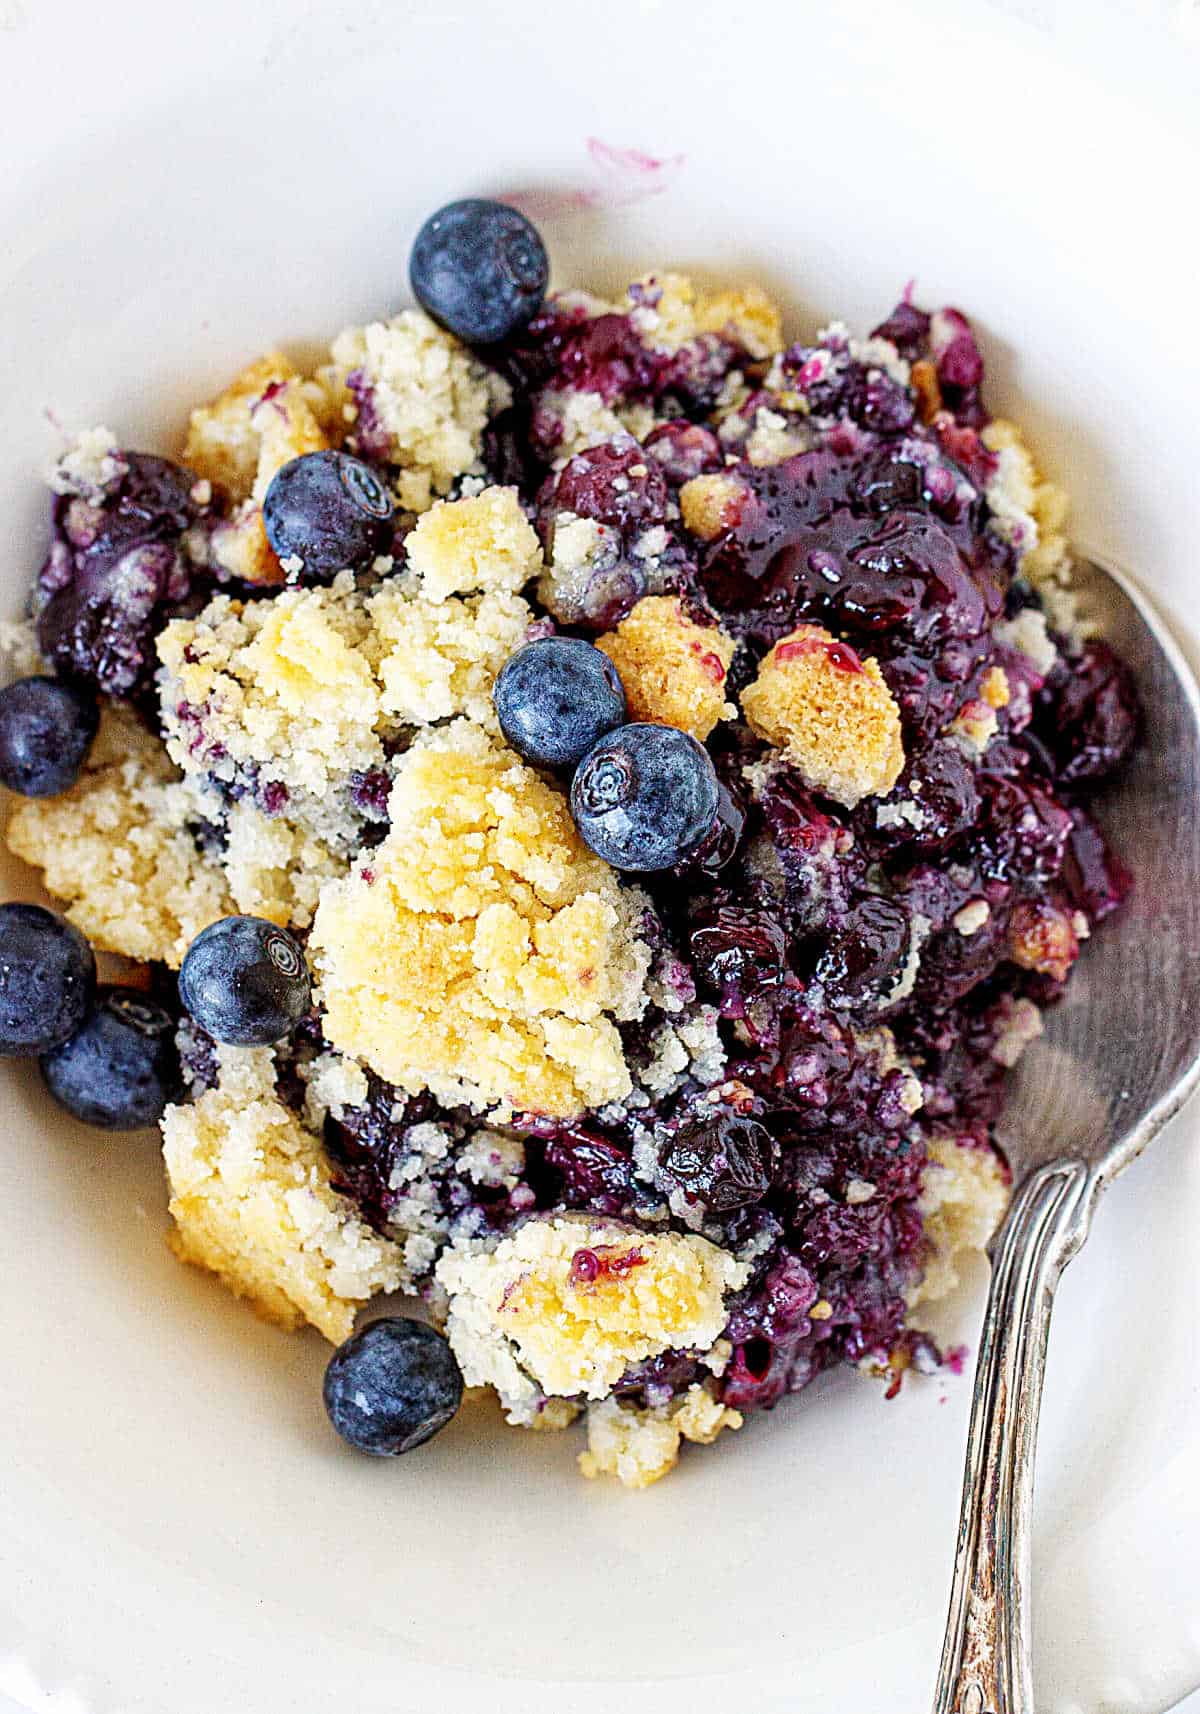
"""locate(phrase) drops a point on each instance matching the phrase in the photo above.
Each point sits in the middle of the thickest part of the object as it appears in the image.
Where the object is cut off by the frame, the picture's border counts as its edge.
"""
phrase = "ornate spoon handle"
(985, 1666)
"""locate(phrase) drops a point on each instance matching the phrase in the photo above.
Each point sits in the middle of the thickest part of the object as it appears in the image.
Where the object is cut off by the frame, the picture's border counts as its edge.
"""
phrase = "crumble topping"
(422, 401)
(252, 1203)
(711, 504)
(639, 1445)
(673, 670)
(482, 952)
(670, 310)
(1027, 633)
(116, 850)
(831, 714)
(484, 542)
(964, 1194)
(573, 1301)
(276, 692)
(91, 462)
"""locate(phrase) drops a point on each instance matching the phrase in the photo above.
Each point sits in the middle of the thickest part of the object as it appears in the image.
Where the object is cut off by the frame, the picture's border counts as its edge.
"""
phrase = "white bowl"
(179, 1531)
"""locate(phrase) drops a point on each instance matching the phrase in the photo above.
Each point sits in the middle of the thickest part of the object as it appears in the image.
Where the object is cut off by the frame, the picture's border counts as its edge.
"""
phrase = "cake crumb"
(831, 714)
(115, 849)
(252, 1203)
(484, 543)
(574, 1300)
(489, 954)
(710, 505)
(421, 399)
(673, 669)
(972, 917)
(638, 1445)
(965, 1191)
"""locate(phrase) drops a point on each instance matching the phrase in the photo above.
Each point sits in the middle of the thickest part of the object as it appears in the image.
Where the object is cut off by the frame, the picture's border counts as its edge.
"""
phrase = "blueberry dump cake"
(593, 798)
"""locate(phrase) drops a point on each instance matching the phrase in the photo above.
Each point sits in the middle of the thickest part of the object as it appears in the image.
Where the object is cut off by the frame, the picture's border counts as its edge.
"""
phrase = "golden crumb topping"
(670, 309)
(964, 1192)
(303, 690)
(638, 1446)
(830, 713)
(712, 504)
(673, 669)
(576, 1299)
(116, 851)
(1026, 508)
(222, 443)
(485, 542)
(429, 398)
(265, 417)
(482, 951)
(252, 1203)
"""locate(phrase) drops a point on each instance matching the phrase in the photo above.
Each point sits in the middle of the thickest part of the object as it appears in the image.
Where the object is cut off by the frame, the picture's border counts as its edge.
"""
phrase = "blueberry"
(644, 796)
(726, 1162)
(118, 568)
(865, 956)
(245, 981)
(480, 269)
(46, 730)
(47, 979)
(328, 511)
(392, 1386)
(121, 1069)
(555, 697)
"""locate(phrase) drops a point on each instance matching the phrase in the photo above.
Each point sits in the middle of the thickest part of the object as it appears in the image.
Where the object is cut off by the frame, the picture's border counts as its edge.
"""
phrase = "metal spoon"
(1119, 1057)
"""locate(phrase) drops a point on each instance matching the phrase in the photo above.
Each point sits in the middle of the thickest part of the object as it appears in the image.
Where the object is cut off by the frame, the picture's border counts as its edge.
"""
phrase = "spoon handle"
(985, 1666)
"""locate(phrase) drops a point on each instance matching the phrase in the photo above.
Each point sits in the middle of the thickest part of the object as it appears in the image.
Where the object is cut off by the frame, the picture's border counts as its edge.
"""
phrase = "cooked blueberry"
(644, 796)
(555, 697)
(245, 981)
(735, 948)
(46, 730)
(118, 566)
(480, 269)
(724, 1161)
(865, 956)
(47, 979)
(326, 512)
(615, 483)
(392, 1386)
(121, 1069)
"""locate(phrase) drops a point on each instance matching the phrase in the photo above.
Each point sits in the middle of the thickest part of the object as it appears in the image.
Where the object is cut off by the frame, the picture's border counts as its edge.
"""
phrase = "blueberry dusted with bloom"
(645, 796)
(46, 731)
(47, 979)
(245, 981)
(392, 1387)
(326, 512)
(479, 268)
(120, 1071)
(555, 698)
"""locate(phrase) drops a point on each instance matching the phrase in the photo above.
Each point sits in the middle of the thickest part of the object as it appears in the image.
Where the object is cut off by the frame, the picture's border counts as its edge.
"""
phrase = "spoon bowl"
(1119, 1057)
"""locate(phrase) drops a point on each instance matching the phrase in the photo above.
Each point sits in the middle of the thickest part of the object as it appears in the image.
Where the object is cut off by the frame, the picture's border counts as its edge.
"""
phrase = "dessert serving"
(595, 798)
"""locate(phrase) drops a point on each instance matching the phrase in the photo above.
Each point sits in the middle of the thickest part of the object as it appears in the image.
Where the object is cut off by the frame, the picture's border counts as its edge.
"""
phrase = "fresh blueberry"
(122, 1068)
(47, 979)
(480, 269)
(46, 730)
(555, 697)
(392, 1386)
(328, 511)
(245, 981)
(644, 796)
